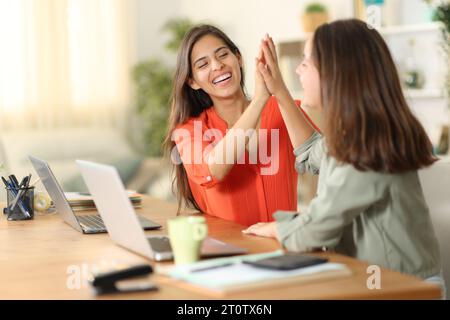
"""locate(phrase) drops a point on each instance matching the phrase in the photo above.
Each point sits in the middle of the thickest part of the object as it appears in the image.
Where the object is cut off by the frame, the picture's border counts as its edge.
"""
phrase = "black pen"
(7, 187)
(11, 182)
(14, 181)
(6, 183)
(212, 267)
(23, 182)
(27, 185)
(16, 200)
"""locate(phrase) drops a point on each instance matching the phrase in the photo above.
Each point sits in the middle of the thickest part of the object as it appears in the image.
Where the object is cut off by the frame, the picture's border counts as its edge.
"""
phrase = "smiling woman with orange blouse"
(209, 108)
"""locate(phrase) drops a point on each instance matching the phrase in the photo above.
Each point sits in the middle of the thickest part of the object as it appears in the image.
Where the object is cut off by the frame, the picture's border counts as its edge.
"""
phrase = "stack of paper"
(82, 201)
(228, 275)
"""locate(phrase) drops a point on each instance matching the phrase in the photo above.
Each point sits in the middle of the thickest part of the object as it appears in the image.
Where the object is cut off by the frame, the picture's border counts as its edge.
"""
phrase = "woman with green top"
(369, 202)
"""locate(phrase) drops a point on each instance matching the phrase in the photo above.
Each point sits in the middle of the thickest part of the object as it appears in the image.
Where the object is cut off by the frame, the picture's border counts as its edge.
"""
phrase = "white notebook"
(229, 275)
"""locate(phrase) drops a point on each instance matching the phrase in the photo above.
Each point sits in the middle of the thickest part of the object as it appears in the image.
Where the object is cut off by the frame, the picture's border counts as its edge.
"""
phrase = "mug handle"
(200, 231)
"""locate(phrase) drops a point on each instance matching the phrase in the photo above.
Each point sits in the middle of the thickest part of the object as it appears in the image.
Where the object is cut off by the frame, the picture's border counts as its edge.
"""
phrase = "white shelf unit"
(411, 28)
(430, 61)
(429, 93)
(426, 52)
(290, 54)
(429, 102)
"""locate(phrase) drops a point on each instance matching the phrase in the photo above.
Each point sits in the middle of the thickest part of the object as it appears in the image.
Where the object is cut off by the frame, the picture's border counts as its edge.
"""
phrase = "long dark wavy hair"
(368, 123)
(187, 102)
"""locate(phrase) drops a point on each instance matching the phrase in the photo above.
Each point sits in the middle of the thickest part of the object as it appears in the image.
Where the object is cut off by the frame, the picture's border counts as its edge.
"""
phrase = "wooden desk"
(35, 256)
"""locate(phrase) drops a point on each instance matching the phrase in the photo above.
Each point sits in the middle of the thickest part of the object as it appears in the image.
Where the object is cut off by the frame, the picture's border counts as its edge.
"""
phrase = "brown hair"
(187, 102)
(368, 123)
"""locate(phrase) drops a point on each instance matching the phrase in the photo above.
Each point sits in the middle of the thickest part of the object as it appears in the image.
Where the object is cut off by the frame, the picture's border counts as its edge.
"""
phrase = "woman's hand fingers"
(261, 55)
(253, 227)
(246, 231)
(257, 63)
(262, 69)
(266, 76)
(272, 48)
(262, 229)
(267, 54)
(260, 85)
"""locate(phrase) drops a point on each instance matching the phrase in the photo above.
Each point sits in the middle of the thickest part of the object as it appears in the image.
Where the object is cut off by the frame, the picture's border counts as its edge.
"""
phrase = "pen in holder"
(20, 203)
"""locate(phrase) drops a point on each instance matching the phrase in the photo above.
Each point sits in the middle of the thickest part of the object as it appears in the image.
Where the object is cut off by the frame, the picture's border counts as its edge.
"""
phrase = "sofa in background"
(61, 147)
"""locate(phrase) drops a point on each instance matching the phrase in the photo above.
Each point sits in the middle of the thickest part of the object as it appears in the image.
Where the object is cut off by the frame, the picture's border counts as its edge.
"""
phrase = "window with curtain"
(63, 63)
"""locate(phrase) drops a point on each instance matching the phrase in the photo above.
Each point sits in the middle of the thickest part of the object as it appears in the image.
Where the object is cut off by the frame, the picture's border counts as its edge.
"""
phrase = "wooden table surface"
(40, 258)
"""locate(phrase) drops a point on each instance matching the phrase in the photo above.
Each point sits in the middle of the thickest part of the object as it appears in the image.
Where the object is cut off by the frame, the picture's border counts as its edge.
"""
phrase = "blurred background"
(91, 79)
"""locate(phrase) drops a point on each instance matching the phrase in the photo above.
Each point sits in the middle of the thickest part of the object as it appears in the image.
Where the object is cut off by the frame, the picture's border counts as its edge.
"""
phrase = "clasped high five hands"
(268, 80)
(267, 69)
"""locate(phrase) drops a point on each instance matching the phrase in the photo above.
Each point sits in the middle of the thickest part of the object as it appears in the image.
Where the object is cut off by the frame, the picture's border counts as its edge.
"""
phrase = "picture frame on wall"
(389, 10)
(359, 9)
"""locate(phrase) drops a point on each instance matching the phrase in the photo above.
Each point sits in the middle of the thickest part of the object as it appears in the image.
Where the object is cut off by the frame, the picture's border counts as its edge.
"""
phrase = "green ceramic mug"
(186, 236)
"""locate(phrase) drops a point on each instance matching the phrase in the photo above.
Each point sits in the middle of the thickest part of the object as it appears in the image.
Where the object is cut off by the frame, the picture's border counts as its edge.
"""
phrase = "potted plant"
(441, 12)
(315, 15)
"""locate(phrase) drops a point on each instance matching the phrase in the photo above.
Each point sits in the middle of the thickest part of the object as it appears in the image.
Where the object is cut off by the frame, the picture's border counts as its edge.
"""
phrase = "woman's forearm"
(227, 152)
(299, 128)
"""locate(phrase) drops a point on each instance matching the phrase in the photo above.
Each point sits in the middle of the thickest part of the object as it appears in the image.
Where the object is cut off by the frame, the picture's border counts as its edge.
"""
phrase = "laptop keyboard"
(95, 222)
(91, 222)
(160, 244)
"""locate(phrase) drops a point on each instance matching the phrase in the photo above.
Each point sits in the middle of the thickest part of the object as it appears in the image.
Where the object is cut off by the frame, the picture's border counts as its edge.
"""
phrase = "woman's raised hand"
(261, 91)
(270, 71)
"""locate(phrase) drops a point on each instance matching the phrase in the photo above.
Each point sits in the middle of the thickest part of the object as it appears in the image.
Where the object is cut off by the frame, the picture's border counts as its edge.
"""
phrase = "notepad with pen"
(242, 273)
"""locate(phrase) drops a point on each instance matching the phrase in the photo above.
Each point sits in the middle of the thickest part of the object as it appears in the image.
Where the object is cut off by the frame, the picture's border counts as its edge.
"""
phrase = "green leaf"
(315, 8)
(177, 27)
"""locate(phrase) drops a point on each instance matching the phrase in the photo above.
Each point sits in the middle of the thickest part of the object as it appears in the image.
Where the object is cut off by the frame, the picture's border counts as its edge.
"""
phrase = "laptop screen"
(55, 191)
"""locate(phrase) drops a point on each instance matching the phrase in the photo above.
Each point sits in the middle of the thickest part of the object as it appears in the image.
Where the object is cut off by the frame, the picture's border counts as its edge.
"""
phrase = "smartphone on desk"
(287, 261)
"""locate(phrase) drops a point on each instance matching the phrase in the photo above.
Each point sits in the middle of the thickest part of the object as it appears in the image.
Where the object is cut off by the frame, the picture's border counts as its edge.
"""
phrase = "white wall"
(246, 22)
(414, 11)
(149, 17)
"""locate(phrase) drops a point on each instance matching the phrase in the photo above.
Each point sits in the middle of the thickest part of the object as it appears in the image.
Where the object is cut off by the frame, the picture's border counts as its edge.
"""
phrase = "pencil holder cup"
(20, 203)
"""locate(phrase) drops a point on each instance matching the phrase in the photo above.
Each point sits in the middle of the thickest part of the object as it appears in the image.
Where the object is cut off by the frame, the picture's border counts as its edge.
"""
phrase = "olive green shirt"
(379, 218)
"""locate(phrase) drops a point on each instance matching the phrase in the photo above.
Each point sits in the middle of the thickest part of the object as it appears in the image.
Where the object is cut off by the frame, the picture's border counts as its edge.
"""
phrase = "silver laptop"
(111, 200)
(83, 223)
